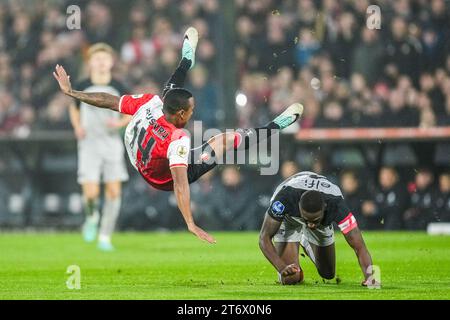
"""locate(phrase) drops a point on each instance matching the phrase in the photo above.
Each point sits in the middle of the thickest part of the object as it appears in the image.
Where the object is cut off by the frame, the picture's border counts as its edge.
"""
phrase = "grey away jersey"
(94, 120)
(284, 204)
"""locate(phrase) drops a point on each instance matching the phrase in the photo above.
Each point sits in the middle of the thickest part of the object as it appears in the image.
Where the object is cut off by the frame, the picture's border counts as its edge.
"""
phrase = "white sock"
(111, 209)
(104, 239)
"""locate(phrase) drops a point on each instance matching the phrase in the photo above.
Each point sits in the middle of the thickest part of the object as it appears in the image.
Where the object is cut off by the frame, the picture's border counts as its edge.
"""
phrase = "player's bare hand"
(80, 133)
(371, 283)
(200, 233)
(289, 270)
(63, 79)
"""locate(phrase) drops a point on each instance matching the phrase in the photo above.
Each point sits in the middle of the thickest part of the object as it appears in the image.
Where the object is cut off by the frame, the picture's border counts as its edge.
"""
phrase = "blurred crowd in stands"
(318, 52)
(392, 206)
(147, 36)
(347, 75)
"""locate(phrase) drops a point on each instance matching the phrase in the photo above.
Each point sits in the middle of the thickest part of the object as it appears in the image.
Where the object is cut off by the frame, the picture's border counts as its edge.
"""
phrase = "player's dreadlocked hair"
(176, 99)
(311, 201)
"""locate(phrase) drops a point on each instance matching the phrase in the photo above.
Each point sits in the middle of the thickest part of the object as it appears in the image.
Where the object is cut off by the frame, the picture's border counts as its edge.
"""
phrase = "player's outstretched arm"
(183, 196)
(355, 240)
(98, 99)
(268, 230)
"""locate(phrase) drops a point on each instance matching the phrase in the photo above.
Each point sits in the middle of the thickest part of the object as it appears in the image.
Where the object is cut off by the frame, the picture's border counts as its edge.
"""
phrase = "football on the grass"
(293, 279)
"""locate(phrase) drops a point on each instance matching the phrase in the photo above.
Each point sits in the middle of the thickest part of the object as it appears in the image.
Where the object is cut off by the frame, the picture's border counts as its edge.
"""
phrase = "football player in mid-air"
(156, 144)
(301, 213)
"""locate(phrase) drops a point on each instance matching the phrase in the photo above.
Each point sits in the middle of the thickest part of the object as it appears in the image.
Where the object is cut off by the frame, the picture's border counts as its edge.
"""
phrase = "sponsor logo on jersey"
(137, 96)
(277, 208)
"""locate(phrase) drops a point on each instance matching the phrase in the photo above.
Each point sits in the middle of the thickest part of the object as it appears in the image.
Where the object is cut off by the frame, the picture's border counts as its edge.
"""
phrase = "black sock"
(243, 139)
(178, 77)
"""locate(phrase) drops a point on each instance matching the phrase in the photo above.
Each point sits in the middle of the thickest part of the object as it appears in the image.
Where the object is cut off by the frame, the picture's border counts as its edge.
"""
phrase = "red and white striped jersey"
(153, 144)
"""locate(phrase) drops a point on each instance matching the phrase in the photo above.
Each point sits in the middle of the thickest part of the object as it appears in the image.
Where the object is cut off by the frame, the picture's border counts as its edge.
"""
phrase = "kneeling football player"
(301, 213)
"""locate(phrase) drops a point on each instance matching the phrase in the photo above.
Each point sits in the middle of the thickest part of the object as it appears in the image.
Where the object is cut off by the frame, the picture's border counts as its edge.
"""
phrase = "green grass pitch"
(178, 266)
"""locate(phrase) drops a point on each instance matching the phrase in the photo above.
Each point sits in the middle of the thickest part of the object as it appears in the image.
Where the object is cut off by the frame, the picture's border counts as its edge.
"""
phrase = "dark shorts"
(200, 162)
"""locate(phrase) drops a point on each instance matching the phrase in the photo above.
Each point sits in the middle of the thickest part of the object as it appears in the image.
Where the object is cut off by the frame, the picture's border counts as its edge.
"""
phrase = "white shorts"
(290, 232)
(100, 165)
